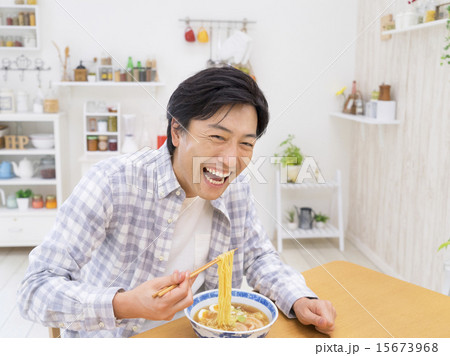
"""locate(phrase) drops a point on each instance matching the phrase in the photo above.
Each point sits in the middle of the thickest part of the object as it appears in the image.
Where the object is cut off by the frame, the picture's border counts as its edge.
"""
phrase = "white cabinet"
(294, 191)
(20, 23)
(28, 227)
(104, 124)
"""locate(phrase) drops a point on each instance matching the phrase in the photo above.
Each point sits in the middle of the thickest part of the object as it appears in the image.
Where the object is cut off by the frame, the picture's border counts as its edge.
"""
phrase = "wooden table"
(368, 304)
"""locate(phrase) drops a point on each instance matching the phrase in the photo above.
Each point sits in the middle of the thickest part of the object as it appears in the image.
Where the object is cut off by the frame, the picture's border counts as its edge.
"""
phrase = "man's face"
(214, 151)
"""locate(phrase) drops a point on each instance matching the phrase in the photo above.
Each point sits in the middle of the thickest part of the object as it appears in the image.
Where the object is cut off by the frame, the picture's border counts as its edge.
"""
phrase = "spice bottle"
(112, 144)
(103, 143)
(129, 70)
(51, 104)
(37, 201)
(92, 143)
(112, 123)
(50, 202)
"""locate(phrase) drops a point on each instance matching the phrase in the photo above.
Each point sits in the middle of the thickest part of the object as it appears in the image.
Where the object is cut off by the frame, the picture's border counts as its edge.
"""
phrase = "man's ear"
(175, 131)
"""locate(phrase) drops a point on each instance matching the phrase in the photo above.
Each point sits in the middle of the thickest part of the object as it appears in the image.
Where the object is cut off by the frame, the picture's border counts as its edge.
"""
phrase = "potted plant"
(291, 157)
(291, 219)
(23, 198)
(446, 287)
(320, 220)
(91, 77)
(446, 55)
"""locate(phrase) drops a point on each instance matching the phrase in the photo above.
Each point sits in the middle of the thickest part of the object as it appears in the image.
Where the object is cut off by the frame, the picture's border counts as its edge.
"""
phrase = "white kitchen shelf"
(29, 227)
(329, 230)
(30, 181)
(416, 27)
(108, 84)
(6, 30)
(364, 119)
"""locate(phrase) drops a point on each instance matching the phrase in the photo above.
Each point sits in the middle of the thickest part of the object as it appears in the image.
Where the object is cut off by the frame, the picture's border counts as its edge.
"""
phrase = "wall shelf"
(108, 84)
(416, 27)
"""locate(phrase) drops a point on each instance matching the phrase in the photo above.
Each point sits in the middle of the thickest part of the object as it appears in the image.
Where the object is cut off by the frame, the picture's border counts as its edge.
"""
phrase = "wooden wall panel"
(399, 204)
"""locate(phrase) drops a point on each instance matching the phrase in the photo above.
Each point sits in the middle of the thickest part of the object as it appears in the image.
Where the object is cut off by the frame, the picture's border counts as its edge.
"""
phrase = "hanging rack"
(243, 21)
(22, 64)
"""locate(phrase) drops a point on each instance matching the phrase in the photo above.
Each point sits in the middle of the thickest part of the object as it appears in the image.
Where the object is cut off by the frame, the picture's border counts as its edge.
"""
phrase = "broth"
(244, 317)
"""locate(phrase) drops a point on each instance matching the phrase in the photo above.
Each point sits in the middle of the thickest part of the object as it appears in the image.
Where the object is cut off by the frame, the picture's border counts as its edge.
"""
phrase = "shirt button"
(135, 328)
(101, 325)
(161, 258)
(61, 325)
(178, 192)
(161, 194)
(169, 220)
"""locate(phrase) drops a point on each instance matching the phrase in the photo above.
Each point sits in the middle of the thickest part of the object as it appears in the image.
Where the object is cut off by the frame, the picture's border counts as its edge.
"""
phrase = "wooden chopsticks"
(163, 291)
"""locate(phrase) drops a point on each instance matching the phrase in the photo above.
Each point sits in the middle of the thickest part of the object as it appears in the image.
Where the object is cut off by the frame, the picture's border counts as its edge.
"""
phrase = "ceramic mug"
(189, 34)
(202, 35)
(6, 170)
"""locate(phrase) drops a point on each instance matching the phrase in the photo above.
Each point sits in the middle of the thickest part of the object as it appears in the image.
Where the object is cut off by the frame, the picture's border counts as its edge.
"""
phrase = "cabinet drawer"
(24, 230)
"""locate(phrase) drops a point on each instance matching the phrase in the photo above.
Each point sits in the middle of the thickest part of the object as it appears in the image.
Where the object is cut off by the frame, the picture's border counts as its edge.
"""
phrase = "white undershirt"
(190, 244)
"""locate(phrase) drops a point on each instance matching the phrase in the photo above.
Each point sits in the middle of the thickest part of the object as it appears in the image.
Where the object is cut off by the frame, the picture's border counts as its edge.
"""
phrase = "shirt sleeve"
(50, 293)
(264, 270)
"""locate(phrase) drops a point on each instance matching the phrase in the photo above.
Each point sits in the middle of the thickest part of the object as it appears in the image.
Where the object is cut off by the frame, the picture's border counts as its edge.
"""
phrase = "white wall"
(297, 58)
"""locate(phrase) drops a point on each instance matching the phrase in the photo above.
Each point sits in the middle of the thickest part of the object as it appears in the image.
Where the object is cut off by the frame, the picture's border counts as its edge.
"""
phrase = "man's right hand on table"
(140, 303)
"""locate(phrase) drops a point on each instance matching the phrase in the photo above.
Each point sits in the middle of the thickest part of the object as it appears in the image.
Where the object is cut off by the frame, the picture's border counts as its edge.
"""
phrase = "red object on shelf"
(161, 140)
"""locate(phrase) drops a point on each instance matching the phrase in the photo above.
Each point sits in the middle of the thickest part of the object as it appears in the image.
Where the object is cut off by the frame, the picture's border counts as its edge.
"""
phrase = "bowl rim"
(230, 331)
(42, 136)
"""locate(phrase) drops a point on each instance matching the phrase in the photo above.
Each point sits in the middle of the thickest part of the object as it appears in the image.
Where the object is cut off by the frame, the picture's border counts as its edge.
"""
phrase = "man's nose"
(229, 155)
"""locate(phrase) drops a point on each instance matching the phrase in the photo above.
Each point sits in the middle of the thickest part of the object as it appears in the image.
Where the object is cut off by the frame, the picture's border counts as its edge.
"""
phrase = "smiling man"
(140, 222)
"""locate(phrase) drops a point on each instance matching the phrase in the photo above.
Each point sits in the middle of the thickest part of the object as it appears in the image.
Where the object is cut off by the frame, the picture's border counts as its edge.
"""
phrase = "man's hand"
(319, 313)
(139, 302)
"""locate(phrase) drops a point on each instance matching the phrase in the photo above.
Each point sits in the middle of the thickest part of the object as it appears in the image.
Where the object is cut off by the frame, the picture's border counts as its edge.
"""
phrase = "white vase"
(292, 225)
(320, 224)
(23, 203)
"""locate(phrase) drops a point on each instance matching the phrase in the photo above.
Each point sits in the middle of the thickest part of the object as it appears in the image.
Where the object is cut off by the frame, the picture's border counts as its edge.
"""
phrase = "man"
(134, 219)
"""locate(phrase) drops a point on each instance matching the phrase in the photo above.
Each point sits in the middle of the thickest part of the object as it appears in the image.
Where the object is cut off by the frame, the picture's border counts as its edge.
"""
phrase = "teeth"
(217, 173)
(214, 181)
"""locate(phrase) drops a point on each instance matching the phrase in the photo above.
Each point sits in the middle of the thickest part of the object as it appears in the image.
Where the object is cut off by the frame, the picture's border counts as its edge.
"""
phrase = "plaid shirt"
(115, 231)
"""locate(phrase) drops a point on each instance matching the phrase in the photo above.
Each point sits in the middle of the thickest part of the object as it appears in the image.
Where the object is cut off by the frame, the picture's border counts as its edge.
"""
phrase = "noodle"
(225, 270)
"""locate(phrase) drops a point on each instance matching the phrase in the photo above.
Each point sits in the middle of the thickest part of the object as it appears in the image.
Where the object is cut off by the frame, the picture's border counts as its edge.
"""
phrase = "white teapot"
(25, 169)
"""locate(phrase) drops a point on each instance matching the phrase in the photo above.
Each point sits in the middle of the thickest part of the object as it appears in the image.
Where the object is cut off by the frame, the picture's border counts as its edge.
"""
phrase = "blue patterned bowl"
(209, 297)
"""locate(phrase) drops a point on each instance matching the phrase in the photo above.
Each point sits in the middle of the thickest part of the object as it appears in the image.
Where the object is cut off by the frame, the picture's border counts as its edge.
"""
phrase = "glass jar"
(112, 144)
(112, 123)
(102, 125)
(103, 143)
(47, 167)
(50, 202)
(92, 143)
(37, 202)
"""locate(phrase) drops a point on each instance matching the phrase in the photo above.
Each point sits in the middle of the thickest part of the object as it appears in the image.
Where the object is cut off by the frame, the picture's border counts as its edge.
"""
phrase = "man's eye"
(248, 144)
(217, 137)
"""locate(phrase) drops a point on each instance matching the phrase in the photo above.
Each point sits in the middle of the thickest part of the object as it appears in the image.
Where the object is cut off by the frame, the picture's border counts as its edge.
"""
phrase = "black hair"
(205, 93)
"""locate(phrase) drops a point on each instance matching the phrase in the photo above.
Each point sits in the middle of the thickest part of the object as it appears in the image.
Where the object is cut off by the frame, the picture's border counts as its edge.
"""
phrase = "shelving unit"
(28, 228)
(14, 31)
(415, 27)
(110, 134)
(334, 187)
(108, 83)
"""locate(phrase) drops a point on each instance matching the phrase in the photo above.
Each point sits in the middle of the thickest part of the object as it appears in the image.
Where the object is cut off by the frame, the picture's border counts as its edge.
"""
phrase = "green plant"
(446, 55)
(321, 218)
(289, 152)
(444, 245)
(291, 215)
(24, 193)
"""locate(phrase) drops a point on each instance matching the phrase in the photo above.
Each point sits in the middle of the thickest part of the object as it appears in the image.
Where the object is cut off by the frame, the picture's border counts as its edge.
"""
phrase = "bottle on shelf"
(354, 103)
(130, 69)
(136, 71)
(38, 102)
(51, 104)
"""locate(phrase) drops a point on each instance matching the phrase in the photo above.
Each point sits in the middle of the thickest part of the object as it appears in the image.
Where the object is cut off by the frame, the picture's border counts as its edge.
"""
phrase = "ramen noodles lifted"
(225, 315)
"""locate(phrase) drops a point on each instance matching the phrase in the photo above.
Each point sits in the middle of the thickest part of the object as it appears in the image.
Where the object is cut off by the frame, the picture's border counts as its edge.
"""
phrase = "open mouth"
(214, 176)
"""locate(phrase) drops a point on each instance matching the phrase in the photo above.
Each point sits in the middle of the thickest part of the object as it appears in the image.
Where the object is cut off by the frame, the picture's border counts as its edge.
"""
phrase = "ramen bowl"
(255, 300)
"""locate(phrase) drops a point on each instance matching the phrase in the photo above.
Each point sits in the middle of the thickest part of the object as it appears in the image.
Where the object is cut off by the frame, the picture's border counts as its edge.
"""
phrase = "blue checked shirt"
(115, 232)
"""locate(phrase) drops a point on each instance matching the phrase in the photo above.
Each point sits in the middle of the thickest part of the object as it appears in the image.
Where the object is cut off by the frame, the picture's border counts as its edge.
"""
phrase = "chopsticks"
(163, 291)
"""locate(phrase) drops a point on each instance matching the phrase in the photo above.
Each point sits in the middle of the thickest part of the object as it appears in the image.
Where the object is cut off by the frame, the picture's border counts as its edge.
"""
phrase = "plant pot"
(320, 224)
(446, 281)
(292, 173)
(292, 225)
(23, 203)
